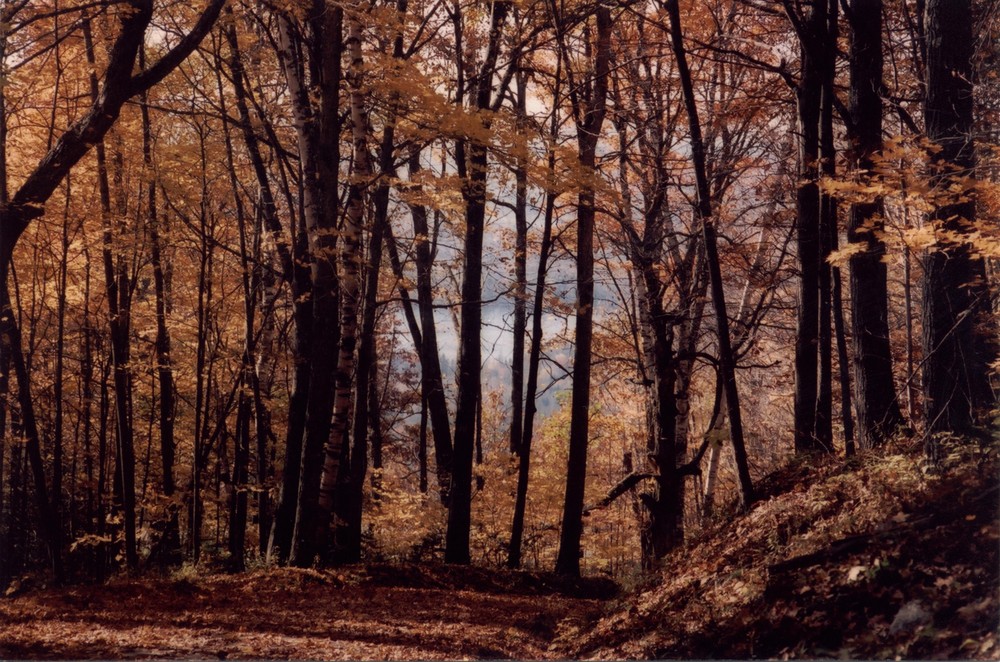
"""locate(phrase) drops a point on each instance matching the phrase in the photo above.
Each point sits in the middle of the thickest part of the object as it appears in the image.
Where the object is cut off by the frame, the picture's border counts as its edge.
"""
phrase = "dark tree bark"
(520, 294)
(875, 401)
(727, 359)
(812, 31)
(351, 498)
(534, 349)
(239, 476)
(201, 442)
(169, 544)
(471, 314)
(119, 312)
(589, 110)
(958, 331)
(298, 280)
(827, 233)
(431, 380)
(349, 259)
(662, 523)
(318, 131)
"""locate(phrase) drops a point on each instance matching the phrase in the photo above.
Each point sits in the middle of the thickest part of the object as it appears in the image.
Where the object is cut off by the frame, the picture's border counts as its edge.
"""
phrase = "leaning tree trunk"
(727, 360)
(431, 380)
(534, 352)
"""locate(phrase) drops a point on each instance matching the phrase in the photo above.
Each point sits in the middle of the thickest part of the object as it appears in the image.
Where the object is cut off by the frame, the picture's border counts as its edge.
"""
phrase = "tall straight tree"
(588, 99)
(350, 497)
(812, 30)
(471, 314)
(349, 270)
(317, 123)
(958, 332)
(875, 392)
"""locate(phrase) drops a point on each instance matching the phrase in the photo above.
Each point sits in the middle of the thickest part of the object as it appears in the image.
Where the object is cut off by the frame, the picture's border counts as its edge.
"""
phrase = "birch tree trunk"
(349, 262)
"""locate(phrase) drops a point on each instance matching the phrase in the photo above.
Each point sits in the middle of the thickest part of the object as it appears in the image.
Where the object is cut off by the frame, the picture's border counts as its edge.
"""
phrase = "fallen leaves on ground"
(376, 612)
(881, 557)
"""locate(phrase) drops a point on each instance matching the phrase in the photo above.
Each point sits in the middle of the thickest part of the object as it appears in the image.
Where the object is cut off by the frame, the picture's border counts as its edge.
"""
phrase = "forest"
(507, 328)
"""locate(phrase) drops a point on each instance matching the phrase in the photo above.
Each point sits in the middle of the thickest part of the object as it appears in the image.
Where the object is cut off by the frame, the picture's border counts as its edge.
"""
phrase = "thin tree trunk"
(57, 386)
(169, 544)
(827, 231)
(470, 348)
(520, 270)
(911, 386)
(589, 118)
(239, 477)
(118, 314)
(11, 333)
(514, 552)
(727, 361)
(431, 379)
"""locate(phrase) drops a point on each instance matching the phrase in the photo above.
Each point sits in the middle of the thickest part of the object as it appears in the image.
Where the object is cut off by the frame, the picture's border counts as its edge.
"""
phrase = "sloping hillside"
(878, 558)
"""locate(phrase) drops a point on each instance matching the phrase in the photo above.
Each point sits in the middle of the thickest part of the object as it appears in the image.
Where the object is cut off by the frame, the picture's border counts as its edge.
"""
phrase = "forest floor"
(376, 612)
(877, 558)
(880, 557)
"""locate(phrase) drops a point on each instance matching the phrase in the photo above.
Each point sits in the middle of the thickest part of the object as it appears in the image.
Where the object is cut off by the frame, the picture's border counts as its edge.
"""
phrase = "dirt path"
(405, 613)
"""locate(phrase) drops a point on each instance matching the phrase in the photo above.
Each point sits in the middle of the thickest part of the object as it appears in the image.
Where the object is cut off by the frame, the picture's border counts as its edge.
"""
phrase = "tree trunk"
(318, 146)
(535, 348)
(169, 544)
(431, 380)
(958, 332)
(470, 343)
(875, 401)
(520, 294)
(727, 360)
(809, 94)
(589, 118)
(349, 258)
(118, 321)
(827, 233)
